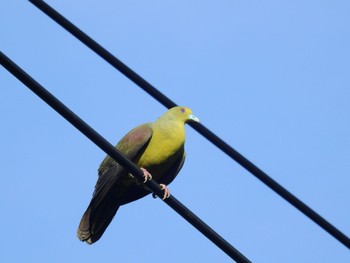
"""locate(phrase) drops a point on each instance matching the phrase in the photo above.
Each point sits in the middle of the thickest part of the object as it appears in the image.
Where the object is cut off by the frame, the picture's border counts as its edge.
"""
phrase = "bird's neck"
(172, 132)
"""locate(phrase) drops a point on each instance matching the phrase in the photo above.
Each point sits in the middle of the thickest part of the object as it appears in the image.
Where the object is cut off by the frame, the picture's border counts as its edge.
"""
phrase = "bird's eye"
(182, 110)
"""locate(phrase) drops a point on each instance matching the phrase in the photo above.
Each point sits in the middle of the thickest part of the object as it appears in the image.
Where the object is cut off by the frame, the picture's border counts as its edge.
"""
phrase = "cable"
(109, 149)
(151, 90)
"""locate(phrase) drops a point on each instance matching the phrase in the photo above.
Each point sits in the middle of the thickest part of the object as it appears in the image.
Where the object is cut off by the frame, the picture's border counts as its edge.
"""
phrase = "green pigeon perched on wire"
(157, 148)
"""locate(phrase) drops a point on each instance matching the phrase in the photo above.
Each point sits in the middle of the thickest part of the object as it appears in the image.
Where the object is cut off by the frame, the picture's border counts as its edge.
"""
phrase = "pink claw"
(146, 175)
(166, 191)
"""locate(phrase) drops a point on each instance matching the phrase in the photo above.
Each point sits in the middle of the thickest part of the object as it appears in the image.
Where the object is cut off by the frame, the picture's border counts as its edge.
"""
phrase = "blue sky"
(269, 77)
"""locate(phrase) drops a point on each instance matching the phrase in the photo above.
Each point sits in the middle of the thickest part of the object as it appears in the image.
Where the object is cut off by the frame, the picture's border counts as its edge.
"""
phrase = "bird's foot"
(166, 191)
(146, 175)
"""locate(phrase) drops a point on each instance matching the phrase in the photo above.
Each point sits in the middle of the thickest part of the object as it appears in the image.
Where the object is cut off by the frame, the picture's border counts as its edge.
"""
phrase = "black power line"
(109, 149)
(151, 90)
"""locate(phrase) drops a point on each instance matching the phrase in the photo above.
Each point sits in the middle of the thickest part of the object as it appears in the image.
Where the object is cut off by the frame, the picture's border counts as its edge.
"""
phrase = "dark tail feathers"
(96, 220)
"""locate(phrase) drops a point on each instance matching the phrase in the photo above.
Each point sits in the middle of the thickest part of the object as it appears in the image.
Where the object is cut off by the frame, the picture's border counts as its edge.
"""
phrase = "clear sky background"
(269, 77)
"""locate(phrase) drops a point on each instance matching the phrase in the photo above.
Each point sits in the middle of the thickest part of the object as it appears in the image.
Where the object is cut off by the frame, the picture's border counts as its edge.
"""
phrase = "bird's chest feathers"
(166, 144)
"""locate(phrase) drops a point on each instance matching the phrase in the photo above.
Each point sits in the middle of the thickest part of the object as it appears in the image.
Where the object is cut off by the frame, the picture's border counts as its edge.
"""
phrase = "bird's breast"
(164, 147)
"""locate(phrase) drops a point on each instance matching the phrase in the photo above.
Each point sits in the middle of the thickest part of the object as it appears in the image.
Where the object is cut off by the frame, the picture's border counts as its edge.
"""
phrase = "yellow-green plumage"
(158, 147)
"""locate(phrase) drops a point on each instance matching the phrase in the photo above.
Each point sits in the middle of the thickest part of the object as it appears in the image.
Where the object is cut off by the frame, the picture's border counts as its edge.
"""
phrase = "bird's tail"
(96, 219)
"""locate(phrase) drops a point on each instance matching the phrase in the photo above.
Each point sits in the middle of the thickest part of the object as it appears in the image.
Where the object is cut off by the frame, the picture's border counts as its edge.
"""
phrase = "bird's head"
(181, 113)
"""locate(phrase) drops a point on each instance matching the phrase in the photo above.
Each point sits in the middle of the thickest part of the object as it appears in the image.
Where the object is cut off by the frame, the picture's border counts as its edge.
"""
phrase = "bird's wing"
(132, 146)
(111, 186)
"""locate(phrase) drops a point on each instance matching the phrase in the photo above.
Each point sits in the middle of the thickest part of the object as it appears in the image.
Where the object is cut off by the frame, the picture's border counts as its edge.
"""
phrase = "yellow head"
(180, 113)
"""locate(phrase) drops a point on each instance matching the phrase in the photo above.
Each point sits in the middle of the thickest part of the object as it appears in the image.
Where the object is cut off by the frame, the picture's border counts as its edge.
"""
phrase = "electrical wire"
(109, 149)
(235, 155)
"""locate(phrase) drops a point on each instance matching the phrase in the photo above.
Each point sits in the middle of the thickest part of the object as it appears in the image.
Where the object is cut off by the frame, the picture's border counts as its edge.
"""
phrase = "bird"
(157, 148)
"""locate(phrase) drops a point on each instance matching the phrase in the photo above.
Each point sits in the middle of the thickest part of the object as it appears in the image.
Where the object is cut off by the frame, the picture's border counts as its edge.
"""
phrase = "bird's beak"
(191, 117)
